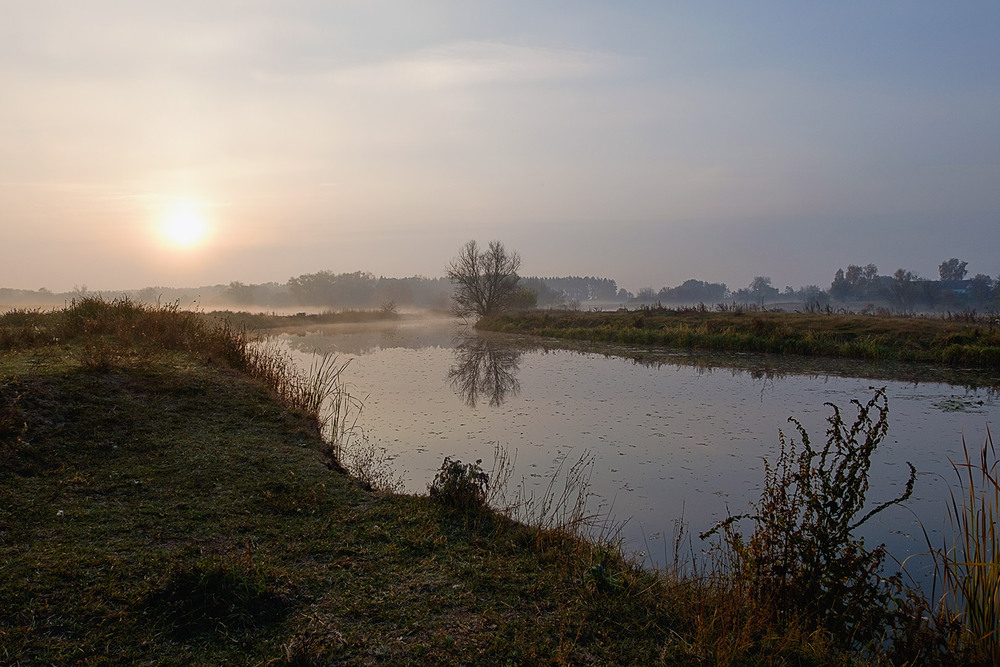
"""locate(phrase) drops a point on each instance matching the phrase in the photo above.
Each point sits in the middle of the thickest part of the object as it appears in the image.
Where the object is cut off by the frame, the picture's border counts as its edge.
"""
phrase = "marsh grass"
(564, 503)
(368, 463)
(956, 342)
(308, 391)
(970, 568)
(561, 507)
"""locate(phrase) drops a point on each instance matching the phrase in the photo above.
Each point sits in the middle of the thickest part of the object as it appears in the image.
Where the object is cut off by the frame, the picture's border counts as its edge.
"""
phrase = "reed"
(970, 569)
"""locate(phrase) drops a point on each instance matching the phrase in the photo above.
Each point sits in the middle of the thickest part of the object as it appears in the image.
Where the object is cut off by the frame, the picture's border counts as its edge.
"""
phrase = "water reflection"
(413, 333)
(674, 434)
(365, 338)
(771, 367)
(484, 368)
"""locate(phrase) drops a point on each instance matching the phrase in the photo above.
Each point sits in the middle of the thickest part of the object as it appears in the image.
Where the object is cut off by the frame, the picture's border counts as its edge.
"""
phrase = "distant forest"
(854, 288)
(327, 289)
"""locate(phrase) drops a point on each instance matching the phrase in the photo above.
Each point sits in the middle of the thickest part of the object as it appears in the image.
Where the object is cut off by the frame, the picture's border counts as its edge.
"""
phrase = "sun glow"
(184, 225)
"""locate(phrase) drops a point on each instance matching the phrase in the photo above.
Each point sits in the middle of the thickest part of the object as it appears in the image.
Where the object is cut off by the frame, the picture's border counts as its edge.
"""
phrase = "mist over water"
(683, 438)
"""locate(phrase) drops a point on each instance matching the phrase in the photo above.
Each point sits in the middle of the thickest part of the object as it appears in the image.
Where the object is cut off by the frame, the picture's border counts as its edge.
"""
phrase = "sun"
(183, 226)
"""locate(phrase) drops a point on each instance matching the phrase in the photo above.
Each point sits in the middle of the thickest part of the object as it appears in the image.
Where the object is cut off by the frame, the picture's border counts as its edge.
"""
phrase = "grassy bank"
(961, 341)
(258, 321)
(168, 496)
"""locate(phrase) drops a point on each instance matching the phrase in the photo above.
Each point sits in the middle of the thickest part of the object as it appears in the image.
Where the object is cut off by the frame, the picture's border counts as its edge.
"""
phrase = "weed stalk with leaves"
(802, 556)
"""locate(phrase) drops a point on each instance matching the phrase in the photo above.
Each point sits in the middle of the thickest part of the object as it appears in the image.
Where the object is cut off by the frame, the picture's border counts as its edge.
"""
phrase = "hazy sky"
(650, 142)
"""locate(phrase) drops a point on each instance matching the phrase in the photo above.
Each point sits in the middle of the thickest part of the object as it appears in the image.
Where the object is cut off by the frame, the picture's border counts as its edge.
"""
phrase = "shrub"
(460, 485)
(802, 556)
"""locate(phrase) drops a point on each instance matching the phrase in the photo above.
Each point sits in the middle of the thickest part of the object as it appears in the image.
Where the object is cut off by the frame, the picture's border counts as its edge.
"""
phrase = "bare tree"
(484, 368)
(485, 280)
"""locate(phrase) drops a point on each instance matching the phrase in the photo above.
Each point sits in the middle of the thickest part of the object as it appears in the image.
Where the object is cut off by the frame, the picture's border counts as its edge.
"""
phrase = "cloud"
(472, 63)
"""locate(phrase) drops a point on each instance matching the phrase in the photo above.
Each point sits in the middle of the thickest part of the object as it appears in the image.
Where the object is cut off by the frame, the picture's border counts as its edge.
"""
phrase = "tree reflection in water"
(484, 368)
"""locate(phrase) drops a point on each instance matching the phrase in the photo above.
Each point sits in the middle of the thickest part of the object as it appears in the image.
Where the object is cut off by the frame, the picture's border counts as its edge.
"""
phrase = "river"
(676, 440)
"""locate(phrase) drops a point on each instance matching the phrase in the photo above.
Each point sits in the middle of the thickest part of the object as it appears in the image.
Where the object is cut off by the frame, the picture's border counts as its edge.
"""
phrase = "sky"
(202, 142)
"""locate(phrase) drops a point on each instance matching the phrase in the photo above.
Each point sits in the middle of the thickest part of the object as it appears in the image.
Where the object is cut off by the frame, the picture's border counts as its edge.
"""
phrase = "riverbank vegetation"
(966, 340)
(170, 494)
(259, 321)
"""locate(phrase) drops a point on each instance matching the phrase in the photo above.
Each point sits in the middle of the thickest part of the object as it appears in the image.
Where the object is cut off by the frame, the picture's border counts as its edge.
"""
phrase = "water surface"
(677, 437)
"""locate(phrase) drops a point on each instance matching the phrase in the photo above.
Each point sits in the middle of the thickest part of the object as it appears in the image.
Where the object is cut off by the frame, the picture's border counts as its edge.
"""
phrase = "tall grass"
(122, 333)
(970, 569)
(561, 506)
(321, 393)
(559, 510)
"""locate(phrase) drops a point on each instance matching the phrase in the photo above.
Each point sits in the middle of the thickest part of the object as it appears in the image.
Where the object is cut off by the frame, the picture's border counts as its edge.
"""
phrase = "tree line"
(857, 285)
(906, 289)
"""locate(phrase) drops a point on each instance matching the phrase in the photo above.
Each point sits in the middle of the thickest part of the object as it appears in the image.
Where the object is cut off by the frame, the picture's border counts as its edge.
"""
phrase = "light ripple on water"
(668, 440)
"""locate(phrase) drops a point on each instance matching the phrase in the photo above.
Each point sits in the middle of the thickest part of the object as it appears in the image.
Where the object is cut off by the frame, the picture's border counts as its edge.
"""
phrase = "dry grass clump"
(123, 333)
(970, 567)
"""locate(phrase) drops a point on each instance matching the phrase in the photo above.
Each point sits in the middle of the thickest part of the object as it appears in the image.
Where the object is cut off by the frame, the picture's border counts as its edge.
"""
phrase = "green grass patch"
(958, 342)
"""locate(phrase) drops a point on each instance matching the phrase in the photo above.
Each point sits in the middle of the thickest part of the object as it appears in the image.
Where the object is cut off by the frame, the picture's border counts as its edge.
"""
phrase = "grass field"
(168, 496)
(966, 341)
